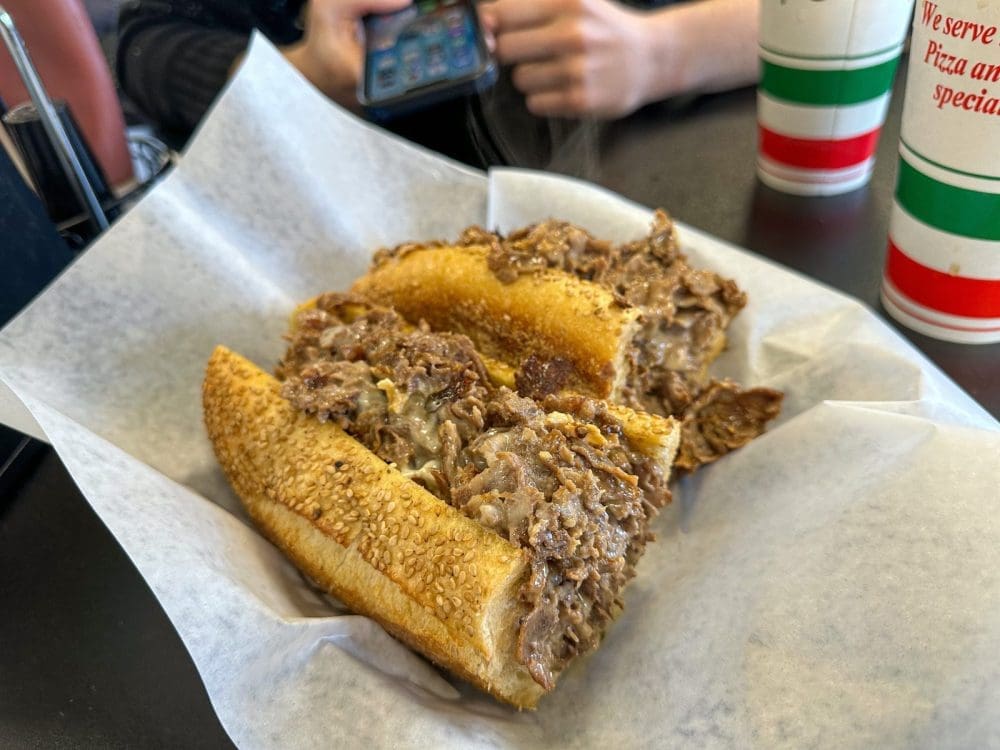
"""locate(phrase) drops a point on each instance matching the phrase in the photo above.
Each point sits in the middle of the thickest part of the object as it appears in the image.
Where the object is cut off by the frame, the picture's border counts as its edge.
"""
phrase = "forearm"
(174, 57)
(703, 46)
(174, 70)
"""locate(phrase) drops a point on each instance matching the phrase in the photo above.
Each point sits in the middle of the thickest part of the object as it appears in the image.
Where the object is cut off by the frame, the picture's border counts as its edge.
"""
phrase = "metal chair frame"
(68, 158)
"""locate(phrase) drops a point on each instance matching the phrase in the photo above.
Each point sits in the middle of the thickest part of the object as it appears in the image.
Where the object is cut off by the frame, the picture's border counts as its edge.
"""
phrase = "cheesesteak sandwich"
(633, 323)
(491, 531)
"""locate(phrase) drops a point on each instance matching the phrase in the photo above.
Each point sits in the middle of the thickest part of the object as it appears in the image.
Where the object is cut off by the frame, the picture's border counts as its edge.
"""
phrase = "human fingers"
(532, 78)
(488, 17)
(540, 43)
(512, 15)
(565, 102)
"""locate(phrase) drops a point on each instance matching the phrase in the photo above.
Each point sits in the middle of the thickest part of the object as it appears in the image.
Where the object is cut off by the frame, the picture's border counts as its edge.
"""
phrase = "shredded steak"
(557, 479)
(721, 419)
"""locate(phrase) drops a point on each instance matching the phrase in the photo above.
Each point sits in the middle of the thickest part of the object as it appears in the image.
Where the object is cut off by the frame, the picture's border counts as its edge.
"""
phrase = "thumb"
(488, 18)
(356, 9)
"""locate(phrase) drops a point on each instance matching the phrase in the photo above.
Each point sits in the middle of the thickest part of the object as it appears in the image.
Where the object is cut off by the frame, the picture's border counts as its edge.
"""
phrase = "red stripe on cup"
(809, 153)
(953, 295)
(909, 309)
(791, 174)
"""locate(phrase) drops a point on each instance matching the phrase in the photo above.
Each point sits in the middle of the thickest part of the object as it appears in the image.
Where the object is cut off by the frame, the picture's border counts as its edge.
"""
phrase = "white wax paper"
(834, 584)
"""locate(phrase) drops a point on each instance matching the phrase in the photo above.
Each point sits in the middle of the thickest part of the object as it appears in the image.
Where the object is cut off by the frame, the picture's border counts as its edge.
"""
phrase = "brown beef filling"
(685, 312)
(557, 479)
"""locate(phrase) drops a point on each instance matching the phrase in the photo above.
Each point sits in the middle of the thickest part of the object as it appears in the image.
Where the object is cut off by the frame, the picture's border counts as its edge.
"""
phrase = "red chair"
(64, 48)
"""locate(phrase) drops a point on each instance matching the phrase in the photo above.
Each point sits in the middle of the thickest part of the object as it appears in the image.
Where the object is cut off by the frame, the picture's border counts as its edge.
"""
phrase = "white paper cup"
(827, 68)
(942, 274)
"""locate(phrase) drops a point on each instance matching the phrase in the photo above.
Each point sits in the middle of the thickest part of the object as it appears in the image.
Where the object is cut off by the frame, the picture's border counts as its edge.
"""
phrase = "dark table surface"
(87, 656)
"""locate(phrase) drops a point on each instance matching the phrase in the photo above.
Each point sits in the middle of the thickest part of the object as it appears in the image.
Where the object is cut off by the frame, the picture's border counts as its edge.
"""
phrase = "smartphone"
(429, 52)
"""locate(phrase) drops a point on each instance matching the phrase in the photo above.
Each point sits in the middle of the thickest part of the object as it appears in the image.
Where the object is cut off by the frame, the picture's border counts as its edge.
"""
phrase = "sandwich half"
(492, 532)
(564, 311)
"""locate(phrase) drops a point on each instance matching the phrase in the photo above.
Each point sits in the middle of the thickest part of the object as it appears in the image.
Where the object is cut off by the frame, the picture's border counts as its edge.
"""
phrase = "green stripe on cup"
(827, 87)
(967, 213)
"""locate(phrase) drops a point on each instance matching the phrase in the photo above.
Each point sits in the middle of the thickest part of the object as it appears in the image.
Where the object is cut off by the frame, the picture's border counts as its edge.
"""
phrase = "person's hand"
(572, 57)
(330, 54)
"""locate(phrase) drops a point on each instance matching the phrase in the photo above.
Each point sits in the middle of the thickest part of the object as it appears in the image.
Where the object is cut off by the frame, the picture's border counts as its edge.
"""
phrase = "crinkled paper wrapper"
(834, 584)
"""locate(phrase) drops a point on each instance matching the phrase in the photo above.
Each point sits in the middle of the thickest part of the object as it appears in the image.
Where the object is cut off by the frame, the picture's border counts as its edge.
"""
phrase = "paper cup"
(942, 273)
(827, 68)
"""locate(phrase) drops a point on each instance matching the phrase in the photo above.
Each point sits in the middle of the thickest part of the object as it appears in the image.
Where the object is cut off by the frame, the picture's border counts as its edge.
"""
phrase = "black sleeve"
(174, 57)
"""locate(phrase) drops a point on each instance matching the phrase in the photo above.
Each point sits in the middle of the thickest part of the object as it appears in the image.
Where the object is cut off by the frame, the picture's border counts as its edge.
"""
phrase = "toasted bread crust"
(381, 543)
(452, 288)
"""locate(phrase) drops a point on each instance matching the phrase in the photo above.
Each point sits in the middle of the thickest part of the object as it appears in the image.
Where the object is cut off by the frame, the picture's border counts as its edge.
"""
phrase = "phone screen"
(430, 42)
